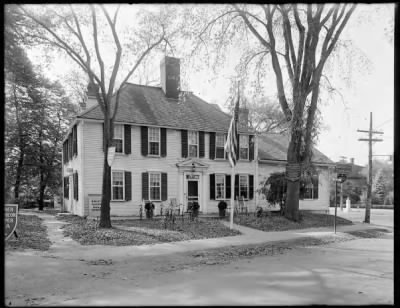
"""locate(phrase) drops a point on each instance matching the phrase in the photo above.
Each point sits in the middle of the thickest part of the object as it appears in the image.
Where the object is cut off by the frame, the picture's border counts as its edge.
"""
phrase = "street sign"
(343, 169)
(293, 171)
(110, 155)
(11, 218)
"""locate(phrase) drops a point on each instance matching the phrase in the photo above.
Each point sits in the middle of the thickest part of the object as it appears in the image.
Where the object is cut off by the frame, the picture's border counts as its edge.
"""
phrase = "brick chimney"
(243, 117)
(91, 100)
(170, 76)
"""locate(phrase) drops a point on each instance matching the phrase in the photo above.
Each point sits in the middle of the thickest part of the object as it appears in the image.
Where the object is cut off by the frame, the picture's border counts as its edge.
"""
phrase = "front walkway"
(68, 248)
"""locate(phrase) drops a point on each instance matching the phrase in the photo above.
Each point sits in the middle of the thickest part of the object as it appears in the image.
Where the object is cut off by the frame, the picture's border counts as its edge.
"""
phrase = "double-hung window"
(154, 141)
(310, 188)
(155, 186)
(193, 143)
(118, 138)
(244, 147)
(219, 186)
(117, 186)
(244, 186)
(219, 146)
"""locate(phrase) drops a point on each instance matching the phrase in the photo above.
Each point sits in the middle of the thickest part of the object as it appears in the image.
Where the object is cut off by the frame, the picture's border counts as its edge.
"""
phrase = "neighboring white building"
(169, 144)
(272, 155)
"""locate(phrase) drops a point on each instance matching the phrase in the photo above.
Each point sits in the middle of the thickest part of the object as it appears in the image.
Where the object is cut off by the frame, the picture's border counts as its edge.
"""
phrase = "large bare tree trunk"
(105, 221)
(294, 156)
(18, 174)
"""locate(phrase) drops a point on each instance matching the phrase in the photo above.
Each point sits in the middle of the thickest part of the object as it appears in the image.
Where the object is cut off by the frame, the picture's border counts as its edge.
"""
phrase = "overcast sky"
(371, 90)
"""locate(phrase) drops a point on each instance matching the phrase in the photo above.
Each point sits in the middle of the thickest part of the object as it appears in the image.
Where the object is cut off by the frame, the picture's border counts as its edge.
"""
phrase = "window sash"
(244, 147)
(193, 142)
(219, 186)
(309, 191)
(244, 186)
(118, 186)
(155, 186)
(118, 139)
(220, 146)
(154, 141)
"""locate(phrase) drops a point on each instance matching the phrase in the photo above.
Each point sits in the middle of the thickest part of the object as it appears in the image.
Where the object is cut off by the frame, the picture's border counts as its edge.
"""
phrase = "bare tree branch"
(117, 56)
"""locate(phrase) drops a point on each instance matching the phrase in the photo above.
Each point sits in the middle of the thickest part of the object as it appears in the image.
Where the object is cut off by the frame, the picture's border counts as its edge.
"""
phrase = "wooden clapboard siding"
(89, 164)
(76, 163)
(134, 163)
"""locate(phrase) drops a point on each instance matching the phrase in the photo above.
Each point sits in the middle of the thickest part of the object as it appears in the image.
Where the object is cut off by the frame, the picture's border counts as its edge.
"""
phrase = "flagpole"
(232, 195)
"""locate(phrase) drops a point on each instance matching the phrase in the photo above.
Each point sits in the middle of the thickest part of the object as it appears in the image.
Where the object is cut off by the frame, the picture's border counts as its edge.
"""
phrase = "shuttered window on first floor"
(117, 186)
(66, 187)
(244, 186)
(76, 181)
(219, 186)
(154, 186)
(121, 185)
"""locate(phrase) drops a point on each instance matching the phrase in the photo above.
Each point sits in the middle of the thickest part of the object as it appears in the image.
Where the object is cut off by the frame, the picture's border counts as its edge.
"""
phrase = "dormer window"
(193, 143)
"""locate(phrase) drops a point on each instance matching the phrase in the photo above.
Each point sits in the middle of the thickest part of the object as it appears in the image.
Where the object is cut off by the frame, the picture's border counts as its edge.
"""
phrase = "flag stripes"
(232, 140)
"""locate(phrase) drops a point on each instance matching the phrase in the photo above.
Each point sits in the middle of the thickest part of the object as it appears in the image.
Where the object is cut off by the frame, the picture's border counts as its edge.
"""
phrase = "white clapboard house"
(169, 146)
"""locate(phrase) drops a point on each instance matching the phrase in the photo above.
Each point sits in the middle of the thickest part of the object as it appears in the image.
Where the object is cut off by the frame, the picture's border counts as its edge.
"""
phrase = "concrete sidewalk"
(69, 249)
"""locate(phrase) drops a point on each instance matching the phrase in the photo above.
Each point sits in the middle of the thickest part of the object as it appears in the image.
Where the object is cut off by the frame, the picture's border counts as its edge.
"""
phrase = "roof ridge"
(142, 85)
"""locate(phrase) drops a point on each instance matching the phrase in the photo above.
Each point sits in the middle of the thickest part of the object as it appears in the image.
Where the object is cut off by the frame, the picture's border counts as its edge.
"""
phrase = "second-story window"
(154, 141)
(244, 147)
(219, 146)
(193, 143)
(118, 138)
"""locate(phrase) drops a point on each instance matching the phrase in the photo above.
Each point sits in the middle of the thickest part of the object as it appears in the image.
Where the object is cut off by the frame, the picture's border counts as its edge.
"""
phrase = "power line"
(386, 121)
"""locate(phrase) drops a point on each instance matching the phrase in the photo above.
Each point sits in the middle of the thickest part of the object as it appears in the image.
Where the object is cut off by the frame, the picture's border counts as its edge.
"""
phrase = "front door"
(193, 191)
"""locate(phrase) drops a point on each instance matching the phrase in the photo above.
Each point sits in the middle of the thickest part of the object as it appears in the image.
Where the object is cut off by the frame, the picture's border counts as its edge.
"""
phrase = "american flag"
(232, 140)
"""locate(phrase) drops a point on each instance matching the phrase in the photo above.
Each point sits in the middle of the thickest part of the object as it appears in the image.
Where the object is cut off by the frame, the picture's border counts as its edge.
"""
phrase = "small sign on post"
(343, 169)
(94, 205)
(11, 219)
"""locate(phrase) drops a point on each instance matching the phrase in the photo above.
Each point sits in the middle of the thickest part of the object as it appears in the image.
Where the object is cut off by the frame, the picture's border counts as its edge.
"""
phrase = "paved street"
(353, 272)
(380, 217)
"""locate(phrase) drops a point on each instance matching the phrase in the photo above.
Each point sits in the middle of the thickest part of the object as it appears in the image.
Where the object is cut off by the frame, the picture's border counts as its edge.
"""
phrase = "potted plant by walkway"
(149, 207)
(222, 208)
(195, 209)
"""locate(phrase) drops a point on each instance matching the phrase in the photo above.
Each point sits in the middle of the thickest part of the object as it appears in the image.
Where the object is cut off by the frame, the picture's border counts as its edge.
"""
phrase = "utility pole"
(370, 140)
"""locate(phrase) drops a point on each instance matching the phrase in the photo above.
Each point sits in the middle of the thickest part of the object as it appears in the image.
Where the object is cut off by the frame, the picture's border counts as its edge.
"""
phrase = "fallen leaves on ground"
(31, 234)
(140, 232)
(281, 223)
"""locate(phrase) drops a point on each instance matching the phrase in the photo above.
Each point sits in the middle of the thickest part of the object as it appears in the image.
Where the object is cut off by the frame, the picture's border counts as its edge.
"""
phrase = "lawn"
(140, 232)
(275, 222)
(31, 234)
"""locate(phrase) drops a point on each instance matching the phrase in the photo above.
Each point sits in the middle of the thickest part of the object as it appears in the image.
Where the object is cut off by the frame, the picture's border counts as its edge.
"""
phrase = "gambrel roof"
(274, 147)
(147, 105)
